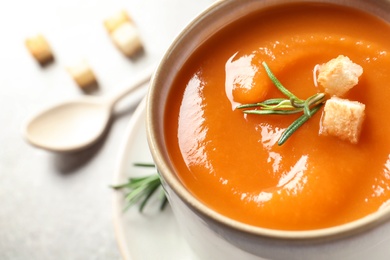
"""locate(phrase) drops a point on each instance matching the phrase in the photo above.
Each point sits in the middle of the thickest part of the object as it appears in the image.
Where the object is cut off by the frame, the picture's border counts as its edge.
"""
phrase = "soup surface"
(231, 161)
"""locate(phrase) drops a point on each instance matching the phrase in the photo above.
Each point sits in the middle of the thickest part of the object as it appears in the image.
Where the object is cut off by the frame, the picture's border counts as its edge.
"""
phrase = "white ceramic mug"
(213, 236)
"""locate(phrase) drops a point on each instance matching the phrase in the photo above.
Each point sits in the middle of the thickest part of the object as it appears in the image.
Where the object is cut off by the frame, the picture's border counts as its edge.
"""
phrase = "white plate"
(153, 234)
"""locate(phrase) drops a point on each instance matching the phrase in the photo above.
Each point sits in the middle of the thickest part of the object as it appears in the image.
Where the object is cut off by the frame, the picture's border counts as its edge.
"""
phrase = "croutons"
(339, 75)
(82, 74)
(113, 22)
(127, 39)
(40, 49)
(342, 118)
(124, 33)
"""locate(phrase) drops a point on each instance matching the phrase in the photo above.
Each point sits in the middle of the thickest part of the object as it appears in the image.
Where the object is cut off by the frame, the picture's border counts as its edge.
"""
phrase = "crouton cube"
(127, 39)
(342, 118)
(82, 74)
(116, 20)
(40, 49)
(339, 75)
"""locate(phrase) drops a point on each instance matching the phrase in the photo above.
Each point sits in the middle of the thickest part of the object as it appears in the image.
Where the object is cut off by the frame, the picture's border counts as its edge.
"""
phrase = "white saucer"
(153, 234)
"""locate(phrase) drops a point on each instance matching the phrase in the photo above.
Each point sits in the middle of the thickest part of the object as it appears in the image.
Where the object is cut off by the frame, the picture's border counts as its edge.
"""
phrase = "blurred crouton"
(82, 74)
(127, 39)
(40, 49)
(342, 118)
(116, 20)
(339, 75)
(124, 33)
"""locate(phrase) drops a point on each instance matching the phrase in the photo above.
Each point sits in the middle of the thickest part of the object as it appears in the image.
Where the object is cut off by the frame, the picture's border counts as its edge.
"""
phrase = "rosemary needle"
(139, 190)
(296, 124)
(286, 106)
(277, 83)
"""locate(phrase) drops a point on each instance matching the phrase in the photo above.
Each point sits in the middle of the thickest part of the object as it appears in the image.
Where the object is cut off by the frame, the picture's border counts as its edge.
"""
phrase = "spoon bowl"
(69, 126)
(77, 124)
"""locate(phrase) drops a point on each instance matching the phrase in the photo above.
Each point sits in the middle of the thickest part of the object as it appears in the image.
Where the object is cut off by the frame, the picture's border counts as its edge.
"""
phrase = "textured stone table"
(60, 206)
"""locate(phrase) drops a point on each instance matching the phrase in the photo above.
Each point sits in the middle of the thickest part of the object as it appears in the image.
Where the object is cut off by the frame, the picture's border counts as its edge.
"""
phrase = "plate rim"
(118, 200)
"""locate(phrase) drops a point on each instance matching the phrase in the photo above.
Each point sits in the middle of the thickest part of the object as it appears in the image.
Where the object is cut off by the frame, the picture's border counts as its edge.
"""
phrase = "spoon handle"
(141, 79)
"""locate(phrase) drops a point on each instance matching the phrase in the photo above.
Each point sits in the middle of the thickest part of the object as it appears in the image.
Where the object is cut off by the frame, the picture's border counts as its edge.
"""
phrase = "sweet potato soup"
(231, 161)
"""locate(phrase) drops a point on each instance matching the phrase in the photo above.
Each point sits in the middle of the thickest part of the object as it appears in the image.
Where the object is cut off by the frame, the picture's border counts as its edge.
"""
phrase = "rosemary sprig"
(141, 189)
(286, 106)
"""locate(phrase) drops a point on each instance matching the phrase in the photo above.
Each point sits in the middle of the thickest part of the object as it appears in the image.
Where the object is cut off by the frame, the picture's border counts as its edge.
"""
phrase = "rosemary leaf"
(151, 165)
(164, 201)
(273, 101)
(277, 83)
(151, 189)
(141, 189)
(296, 124)
(273, 112)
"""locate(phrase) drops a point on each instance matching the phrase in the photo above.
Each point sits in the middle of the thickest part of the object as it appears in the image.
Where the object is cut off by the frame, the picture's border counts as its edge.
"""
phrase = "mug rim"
(169, 177)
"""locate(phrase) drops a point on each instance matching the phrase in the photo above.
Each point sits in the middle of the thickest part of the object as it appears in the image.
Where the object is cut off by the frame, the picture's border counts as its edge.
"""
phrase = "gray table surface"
(56, 206)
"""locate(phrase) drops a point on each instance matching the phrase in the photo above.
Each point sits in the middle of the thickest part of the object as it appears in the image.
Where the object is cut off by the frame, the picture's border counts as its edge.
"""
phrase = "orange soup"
(231, 161)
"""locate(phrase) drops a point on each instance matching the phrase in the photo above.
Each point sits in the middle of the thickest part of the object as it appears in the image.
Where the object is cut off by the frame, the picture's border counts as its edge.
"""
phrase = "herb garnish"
(286, 106)
(141, 189)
